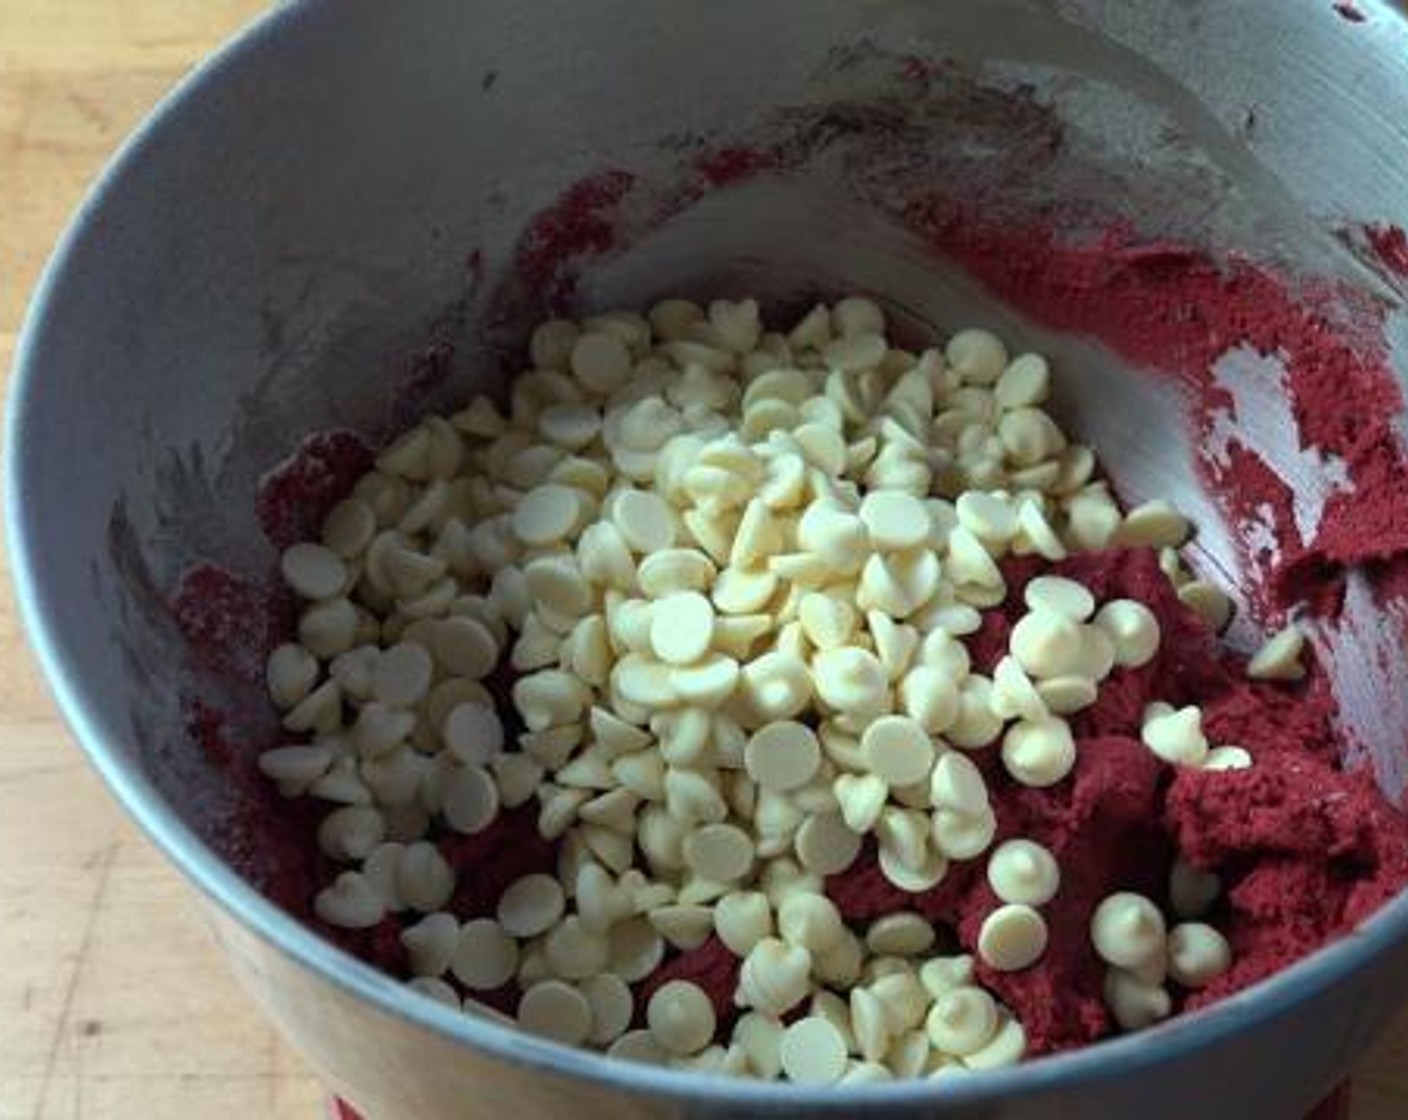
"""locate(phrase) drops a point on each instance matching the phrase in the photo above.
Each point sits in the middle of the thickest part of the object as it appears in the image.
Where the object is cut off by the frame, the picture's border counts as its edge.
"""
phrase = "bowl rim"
(1171, 1042)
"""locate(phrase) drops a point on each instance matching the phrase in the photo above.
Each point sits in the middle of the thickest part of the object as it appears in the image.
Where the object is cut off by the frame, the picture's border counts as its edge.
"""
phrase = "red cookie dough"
(1304, 850)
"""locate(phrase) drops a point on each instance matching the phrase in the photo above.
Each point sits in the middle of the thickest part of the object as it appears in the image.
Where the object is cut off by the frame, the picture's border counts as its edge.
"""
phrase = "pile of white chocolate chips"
(732, 572)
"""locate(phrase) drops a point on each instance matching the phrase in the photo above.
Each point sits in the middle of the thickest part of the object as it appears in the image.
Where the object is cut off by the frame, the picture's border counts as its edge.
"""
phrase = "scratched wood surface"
(113, 1004)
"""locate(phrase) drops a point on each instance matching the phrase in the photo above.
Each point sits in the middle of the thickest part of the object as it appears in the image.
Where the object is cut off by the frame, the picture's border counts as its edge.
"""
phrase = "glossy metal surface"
(296, 220)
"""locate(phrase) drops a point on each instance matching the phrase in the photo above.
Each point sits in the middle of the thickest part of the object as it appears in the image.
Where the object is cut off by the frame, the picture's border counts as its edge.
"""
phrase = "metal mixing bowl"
(348, 183)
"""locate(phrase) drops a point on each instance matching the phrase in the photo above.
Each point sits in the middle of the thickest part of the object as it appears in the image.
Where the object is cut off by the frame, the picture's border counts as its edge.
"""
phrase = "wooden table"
(113, 1004)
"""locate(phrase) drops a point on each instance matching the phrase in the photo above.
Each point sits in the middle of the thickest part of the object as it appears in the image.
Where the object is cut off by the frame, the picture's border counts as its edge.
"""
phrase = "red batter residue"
(1173, 309)
(228, 622)
(205, 726)
(725, 166)
(580, 224)
(295, 495)
(1390, 245)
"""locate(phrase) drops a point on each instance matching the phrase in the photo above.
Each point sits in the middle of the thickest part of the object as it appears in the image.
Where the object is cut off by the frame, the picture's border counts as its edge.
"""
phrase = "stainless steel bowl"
(350, 182)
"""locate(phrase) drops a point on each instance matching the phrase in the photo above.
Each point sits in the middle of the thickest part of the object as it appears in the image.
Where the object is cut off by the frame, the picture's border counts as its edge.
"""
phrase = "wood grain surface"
(113, 1003)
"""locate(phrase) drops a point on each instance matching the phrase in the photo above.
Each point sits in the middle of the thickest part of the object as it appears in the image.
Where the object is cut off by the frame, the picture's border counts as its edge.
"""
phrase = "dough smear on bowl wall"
(888, 581)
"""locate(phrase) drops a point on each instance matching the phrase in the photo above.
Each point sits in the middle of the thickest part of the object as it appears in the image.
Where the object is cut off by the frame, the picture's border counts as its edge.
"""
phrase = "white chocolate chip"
(1227, 758)
(1279, 659)
(612, 1007)
(1154, 524)
(685, 926)
(894, 520)
(857, 315)
(825, 845)
(1023, 871)
(291, 674)
(1046, 644)
(1026, 381)
(909, 1054)
(777, 685)
(957, 784)
(556, 1010)
(943, 974)
(774, 977)
(1039, 753)
(1013, 693)
(865, 1073)
(742, 919)
(634, 949)
(681, 1017)
(721, 852)
(531, 905)
(645, 521)
(575, 951)
(351, 902)
(328, 627)
(760, 1036)
(295, 769)
(1133, 630)
(782, 755)
(1127, 930)
(962, 1021)
(675, 569)
(313, 571)
(485, 957)
(1064, 696)
(1197, 954)
(860, 797)
(854, 353)
(928, 695)
(897, 750)
(431, 943)
(423, 878)
(436, 989)
(1093, 519)
(1176, 736)
(902, 934)
(1012, 937)
(851, 680)
(682, 627)
(1006, 1048)
(349, 527)
(977, 356)
(812, 1052)
(401, 675)
(639, 1046)
(809, 920)
(1061, 596)
(872, 1023)
(988, 517)
(549, 513)
(600, 361)
(465, 647)
(915, 880)
(470, 800)
(1134, 1003)
(1208, 602)
(351, 832)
